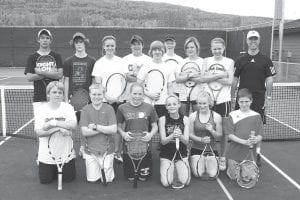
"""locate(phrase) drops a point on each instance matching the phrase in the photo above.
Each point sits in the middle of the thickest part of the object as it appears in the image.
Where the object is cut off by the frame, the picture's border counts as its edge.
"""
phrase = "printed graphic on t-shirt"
(136, 115)
(79, 73)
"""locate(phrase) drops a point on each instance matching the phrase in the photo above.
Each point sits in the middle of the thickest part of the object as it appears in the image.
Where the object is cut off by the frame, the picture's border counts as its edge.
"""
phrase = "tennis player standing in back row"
(43, 72)
(165, 79)
(104, 67)
(255, 72)
(192, 51)
(220, 69)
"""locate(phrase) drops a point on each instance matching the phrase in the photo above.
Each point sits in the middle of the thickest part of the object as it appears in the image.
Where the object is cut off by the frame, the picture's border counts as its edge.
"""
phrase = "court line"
(285, 124)
(224, 189)
(1, 79)
(281, 172)
(16, 132)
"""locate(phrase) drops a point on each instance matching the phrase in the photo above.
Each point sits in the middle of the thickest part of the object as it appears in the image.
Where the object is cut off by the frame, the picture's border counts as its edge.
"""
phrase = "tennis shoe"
(177, 186)
(222, 163)
(118, 158)
(142, 179)
(130, 179)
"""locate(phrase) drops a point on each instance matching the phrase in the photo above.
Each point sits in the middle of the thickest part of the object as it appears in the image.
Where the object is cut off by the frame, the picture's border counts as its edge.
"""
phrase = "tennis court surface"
(19, 175)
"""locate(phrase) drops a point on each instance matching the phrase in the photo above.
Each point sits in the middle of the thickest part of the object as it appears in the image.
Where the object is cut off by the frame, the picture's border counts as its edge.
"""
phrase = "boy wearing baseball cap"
(43, 66)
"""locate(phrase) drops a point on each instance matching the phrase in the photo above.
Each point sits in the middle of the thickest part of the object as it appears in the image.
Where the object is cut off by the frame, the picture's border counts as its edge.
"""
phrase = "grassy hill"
(114, 13)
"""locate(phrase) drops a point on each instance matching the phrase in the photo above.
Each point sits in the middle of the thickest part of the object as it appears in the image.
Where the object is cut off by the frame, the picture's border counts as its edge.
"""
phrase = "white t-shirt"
(174, 66)
(224, 94)
(182, 89)
(168, 76)
(104, 68)
(138, 62)
(43, 113)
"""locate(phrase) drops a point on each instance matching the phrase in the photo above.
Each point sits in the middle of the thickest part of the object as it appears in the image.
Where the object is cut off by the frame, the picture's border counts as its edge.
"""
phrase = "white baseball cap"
(44, 31)
(253, 33)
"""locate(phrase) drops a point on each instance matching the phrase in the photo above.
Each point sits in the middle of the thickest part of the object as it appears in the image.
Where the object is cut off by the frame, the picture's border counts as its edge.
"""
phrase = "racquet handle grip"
(177, 143)
(59, 181)
(252, 133)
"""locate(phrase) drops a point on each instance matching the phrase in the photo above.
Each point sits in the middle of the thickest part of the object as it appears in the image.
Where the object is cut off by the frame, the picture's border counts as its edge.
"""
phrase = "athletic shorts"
(195, 151)
(145, 166)
(222, 109)
(48, 172)
(93, 170)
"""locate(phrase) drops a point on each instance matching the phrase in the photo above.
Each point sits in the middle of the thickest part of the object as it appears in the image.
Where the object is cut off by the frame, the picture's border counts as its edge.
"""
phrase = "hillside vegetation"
(122, 13)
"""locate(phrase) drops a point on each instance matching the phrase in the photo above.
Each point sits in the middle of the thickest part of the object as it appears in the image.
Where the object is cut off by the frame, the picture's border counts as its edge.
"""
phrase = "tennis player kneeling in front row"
(140, 126)
(54, 122)
(98, 126)
(174, 134)
(205, 127)
(244, 128)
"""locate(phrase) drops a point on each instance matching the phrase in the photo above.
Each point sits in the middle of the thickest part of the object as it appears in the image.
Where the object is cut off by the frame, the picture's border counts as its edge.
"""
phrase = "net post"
(3, 110)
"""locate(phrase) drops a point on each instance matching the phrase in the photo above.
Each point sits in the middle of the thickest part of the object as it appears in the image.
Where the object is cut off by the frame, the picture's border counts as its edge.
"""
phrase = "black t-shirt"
(39, 87)
(253, 71)
(79, 71)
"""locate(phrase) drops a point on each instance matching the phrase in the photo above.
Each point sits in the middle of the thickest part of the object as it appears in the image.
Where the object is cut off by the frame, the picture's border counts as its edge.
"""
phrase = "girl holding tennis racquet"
(174, 134)
(238, 127)
(108, 65)
(54, 121)
(187, 75)
(98, 126)
(157, 78)
(219, 75)
(138, 116)
(205, 127)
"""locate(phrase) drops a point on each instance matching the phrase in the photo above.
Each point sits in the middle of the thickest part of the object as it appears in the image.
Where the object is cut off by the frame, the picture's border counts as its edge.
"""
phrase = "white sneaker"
(222, 163)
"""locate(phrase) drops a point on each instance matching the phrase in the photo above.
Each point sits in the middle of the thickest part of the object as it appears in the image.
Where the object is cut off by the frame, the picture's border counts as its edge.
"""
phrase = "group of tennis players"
(196, 121)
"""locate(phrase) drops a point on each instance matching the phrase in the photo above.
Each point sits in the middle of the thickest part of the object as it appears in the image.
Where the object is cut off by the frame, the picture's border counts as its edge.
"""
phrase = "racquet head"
(115, 86)
(248, 174)
(46, 63)
(216, 69)
(171, 62)
(154, 81)
(79, 99)
(211, 163)
(190, 67)
(60, 147)
(137, 148)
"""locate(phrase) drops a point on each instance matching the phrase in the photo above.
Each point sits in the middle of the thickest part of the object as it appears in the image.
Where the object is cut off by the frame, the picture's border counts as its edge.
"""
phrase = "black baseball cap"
(136, 38)
(170, 37)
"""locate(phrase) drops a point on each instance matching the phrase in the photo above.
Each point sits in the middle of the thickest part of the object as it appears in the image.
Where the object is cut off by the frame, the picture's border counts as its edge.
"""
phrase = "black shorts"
(145, 166)
(222, 109)
(195, 151)
(48, 172)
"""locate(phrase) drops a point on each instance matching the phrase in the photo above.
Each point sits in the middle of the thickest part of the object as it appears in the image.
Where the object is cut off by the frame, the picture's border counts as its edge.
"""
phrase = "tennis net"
(283, 114)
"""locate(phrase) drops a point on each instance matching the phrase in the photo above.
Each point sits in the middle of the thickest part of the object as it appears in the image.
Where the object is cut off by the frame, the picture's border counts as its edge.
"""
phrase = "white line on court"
(1, 79)
(285, 124)
(224, 189)
(281, 172)
(16, 132)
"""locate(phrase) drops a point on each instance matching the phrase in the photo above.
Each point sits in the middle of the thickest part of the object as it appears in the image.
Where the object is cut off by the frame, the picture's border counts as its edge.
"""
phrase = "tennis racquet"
(171, 62)
(115, 86)
(248, 171)
(214, 86)
(154, 83)
(211, 163)
(137, 150)
(177, 157)
(46, 63)
(98, 148)
(192, 88)
(60, 149)
(79, 99)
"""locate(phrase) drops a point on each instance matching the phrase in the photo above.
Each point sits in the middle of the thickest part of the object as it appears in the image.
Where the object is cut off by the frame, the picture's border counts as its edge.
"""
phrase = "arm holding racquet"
(94, 129)
(69, 124)
(66, 84)
(125, 135)
(163, 138)
(149, 135)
